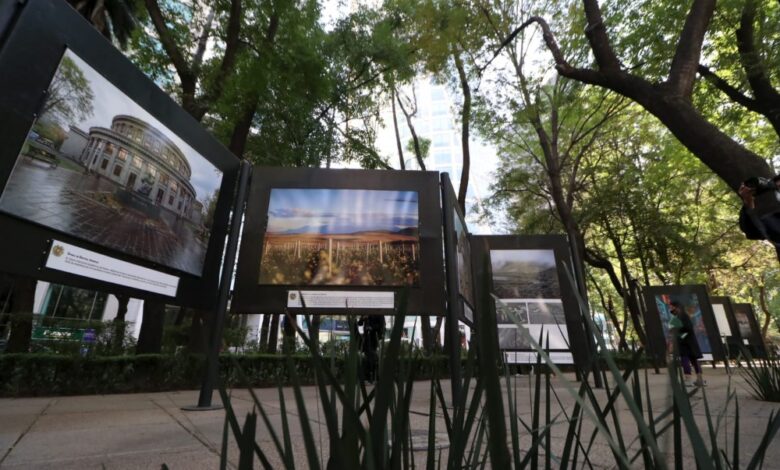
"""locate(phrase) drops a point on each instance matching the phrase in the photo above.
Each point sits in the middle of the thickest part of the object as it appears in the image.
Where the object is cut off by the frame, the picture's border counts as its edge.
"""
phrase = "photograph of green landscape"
(525, 274)
(350, 237)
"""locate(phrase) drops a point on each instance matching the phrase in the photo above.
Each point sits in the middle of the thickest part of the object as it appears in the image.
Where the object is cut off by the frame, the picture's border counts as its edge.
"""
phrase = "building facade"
(75, 143)
(140, 158)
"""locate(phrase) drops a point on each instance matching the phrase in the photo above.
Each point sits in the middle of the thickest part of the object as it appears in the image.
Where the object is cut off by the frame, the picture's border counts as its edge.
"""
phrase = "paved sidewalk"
(147, 430)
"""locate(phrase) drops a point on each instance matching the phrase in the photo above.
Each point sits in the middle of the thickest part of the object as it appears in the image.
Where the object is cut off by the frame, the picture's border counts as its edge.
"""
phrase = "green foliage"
(763, 378)
(69, 97)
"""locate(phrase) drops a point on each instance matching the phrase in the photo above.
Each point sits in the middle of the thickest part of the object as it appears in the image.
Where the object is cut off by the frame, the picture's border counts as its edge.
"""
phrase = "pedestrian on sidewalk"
(681, 330)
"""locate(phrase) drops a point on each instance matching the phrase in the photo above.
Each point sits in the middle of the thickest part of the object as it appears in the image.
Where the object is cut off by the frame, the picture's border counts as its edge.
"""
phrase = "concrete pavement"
(149, 429)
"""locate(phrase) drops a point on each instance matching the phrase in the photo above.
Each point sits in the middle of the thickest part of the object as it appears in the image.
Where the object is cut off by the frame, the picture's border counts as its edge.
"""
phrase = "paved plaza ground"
(63, 199)
(149, 429)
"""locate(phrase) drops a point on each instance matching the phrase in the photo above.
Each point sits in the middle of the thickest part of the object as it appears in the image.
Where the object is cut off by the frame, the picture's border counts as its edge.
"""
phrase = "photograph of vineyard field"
(346, 237)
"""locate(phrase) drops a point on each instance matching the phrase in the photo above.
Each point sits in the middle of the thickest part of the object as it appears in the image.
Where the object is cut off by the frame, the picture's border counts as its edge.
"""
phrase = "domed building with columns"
(140, 158)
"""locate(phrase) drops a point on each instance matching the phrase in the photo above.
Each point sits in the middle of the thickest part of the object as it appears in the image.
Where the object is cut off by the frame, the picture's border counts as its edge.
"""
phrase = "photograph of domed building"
(140, 158)
(97, 166)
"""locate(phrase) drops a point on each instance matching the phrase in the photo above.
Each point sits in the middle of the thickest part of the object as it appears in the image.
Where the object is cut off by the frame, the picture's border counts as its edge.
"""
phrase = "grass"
(763, 378)
(370, 429)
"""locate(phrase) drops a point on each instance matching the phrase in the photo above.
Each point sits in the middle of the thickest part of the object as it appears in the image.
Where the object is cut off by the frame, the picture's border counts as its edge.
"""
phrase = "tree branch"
(562, 66)
(730, 91)
(751, 61)
(169, 45)
(597, 36)
(682, 73)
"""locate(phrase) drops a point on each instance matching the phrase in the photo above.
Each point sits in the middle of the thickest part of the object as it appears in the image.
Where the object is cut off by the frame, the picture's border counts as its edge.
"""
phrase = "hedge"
(47, 374)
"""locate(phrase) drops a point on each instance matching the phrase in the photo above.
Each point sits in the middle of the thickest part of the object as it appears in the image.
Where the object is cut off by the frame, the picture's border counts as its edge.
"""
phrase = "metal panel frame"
(41, 32)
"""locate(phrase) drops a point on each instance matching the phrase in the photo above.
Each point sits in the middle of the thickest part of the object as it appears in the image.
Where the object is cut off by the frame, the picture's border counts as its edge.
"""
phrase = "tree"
(114, 19)
(151, 335)
(668, 97)
(69, 97)
(183, 32)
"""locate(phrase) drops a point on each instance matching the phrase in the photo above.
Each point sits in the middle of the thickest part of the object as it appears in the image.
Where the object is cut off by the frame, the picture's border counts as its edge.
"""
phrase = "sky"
(499, 258)
(110, 101)
(341, 210)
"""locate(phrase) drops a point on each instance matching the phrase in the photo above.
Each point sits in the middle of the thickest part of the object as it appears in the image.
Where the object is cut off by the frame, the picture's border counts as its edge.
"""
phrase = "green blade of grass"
(308, 436)
(288, 459)
(246, 448)
(431, 460)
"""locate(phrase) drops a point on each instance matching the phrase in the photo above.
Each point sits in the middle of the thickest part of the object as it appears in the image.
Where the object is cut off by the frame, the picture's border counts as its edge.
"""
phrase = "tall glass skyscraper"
(436, 119)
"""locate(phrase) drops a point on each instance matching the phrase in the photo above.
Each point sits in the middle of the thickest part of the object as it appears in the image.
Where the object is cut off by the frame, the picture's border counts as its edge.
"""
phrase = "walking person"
(681, 328)
(373, 335)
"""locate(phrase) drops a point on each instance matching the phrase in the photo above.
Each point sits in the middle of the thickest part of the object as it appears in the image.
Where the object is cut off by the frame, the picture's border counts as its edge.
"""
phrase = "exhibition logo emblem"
(58, 250)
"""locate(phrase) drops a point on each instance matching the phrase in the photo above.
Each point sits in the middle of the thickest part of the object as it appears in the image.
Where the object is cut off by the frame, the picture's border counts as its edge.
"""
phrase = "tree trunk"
(762, 300)
(464, 132)
(120, 324)
(21, 315)
(288, 336)
(273, 334)
(398, 143)
(415, 138)
(180, 316)
(427, 333)
(150, 338)
(197, 342)
(240, 134)
(732, 162)
(262, 340)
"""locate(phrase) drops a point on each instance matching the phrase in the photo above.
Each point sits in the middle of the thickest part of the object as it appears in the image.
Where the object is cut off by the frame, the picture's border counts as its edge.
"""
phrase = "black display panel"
(457, 248)
(95, 159)
(727, 324)
(749, 329)
(696, 302)
(342, 234)
(528, 273)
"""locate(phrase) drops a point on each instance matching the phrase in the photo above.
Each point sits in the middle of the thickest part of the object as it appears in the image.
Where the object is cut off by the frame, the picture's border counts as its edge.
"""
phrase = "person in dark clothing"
(373, 334)
(688, 348)
(765, 226)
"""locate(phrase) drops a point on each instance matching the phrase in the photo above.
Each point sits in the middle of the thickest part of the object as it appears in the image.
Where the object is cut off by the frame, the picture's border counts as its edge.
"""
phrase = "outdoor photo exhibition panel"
(457, 248)
(528, 274)
(106, 182)
(749, 330)
(341, 241)
(727, 323)
(696, 302)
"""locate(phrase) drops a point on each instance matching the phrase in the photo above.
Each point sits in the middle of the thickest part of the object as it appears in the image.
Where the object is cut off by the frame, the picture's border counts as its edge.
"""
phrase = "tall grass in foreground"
(370, 429)
(763, 378)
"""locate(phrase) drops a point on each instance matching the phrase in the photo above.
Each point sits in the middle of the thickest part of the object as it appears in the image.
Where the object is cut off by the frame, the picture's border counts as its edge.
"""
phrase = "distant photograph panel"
(691, 305)
(525, 274)
(722, 320)
(743, 322)
(97, 166)
(341, 237)
(465, 282)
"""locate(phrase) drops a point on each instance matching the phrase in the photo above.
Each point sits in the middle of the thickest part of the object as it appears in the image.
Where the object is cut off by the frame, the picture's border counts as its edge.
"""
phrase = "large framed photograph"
(457, 248)
(316, 238)
(749, 329)
(528, 275)
(95, 156)
(696, 302)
